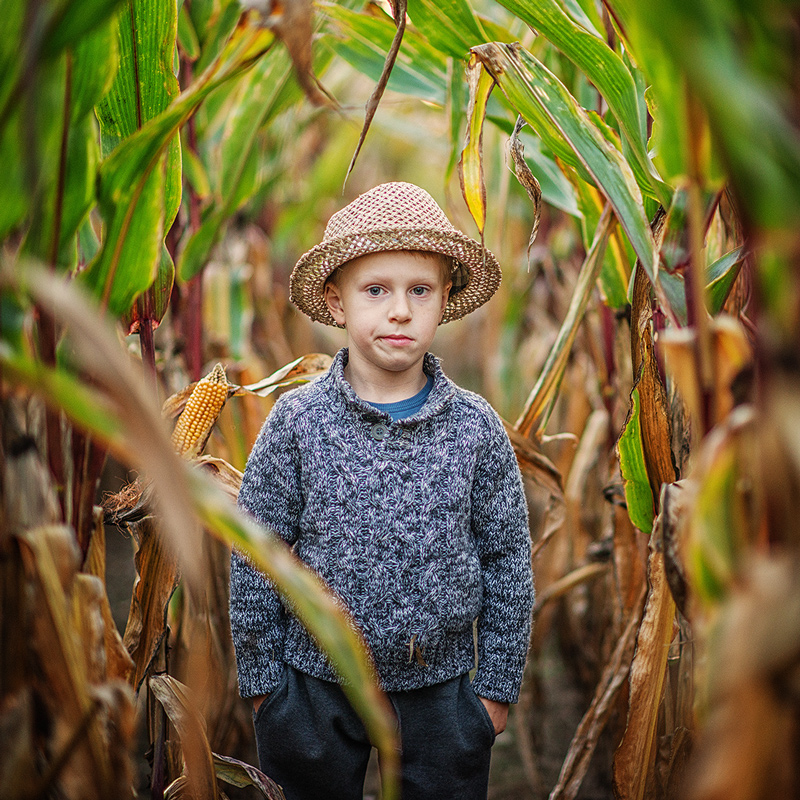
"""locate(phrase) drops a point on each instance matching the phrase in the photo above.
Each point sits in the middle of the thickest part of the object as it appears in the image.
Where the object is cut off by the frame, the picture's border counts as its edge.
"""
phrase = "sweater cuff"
(499, 688)
(499, 675)
(259, 678)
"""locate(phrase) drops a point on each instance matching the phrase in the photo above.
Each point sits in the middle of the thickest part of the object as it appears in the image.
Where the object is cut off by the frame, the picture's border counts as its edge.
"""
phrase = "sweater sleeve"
(270, 492)
(500, 525)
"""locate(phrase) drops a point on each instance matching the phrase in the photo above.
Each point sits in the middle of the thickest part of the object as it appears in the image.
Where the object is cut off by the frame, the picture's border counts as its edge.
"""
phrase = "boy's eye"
(420, 291)
(374, 291)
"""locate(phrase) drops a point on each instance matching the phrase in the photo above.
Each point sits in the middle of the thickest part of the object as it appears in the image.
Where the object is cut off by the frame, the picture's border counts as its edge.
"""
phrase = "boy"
(402, 490)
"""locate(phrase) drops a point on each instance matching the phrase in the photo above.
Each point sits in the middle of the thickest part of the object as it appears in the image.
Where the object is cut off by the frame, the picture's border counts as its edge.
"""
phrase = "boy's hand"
(498, 713)
(258, 700)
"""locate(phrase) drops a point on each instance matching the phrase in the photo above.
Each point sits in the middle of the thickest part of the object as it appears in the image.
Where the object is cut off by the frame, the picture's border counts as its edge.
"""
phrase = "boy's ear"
(445, 297)
(333, 300)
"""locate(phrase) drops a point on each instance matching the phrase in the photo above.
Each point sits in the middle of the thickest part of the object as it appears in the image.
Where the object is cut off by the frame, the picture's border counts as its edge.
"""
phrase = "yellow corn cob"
(200, 413)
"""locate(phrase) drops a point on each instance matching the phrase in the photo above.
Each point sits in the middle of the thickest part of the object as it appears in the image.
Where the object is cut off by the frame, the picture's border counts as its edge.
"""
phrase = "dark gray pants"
(313, 744)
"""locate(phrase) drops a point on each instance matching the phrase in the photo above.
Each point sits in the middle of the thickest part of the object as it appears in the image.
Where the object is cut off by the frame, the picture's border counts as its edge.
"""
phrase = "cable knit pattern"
(420, 526)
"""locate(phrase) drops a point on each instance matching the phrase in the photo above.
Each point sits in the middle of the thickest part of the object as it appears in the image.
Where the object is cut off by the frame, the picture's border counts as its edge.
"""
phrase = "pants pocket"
(484, 713)
(272, 698)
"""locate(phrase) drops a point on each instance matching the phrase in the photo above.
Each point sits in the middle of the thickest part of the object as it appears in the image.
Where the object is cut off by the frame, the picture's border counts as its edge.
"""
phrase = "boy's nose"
(400, 308)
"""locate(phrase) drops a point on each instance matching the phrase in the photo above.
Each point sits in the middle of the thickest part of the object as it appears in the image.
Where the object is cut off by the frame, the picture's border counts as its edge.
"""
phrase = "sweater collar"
(441, 394)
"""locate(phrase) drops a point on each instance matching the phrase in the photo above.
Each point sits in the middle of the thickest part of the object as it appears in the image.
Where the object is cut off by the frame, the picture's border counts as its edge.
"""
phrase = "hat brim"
(306, 285)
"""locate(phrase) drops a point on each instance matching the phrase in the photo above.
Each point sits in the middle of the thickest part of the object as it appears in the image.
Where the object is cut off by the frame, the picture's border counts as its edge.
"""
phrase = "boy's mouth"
(398, 339)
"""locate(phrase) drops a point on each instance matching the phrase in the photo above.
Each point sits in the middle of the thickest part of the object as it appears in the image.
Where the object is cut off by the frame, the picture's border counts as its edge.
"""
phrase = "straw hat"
(395, 216)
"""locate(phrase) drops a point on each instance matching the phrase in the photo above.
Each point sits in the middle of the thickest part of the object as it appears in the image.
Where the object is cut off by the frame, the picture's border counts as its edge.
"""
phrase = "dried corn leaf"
(721, 523)
(228, 477)
(300, 370)
(157, 579)
(201, 782)
(732, 354)
(534, 464)
(563, 586)
(655, 420)
(293, 22)
(635, 753)
(17, 765)
(118, 661)
(526, 178)
(237, 773)
(87, 773)
(399, 8)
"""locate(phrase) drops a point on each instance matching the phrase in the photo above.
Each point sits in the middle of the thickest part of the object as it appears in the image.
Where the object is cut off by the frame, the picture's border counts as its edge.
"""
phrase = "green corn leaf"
(259, 98)
(452, 26)
(536, 94)
(187, 36)
(638, 494)
(720, 277)
(130, 176)
(68, 153)
(607, 72)
(616, 272)
(363, 41)
(74, 20)
(456, 103)
(143, 88)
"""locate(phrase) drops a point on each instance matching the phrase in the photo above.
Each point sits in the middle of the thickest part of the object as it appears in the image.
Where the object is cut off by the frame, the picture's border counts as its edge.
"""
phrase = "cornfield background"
(635, 167)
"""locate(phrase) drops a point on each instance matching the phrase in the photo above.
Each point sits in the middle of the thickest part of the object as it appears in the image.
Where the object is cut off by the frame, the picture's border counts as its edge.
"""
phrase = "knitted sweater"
(420, 526)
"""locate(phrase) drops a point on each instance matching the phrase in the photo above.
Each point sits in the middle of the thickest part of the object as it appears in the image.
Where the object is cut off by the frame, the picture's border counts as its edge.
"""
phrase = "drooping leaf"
(527, 179)
(470, 165)
(606, 70)
(157, 579)
(536, 94)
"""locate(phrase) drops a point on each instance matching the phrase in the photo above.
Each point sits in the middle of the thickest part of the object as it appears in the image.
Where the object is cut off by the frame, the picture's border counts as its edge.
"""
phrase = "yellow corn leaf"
(470, 165)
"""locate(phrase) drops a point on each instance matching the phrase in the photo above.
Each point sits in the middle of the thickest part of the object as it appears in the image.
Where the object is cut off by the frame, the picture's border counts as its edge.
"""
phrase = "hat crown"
(388, 206)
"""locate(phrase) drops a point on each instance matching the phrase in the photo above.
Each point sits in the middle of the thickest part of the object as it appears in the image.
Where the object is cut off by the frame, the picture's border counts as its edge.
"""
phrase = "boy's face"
(391, 304)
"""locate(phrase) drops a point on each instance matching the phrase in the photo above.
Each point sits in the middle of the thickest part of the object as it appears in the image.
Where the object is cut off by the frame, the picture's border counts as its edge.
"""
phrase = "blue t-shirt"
(406, 408)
